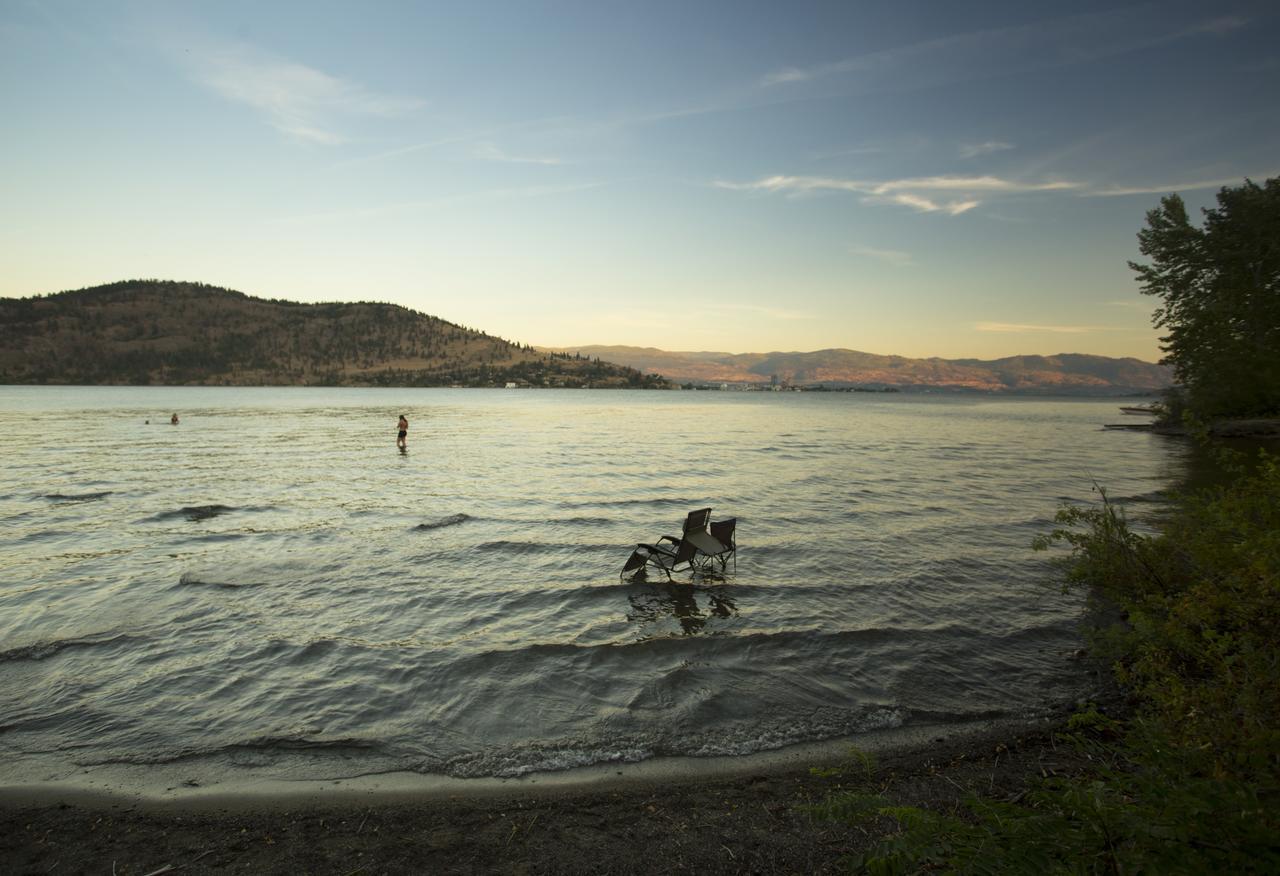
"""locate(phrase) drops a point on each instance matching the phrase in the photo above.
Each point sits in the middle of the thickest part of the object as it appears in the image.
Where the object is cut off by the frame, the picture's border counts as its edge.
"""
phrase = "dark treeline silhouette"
(1219, 288)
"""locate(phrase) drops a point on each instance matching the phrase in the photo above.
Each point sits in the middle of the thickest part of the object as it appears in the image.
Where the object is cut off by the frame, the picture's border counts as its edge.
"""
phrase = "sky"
(914, 178)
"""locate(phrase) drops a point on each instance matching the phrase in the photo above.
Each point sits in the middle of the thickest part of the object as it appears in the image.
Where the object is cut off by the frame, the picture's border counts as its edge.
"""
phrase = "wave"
(753, 647)
(193, 579)
(481, 663)
(601, 747)
(255, 744)
(628, 503)
(947, 717)
(593, 520)
(552, 548)
(736, 741)
(76, 497)
(305, 743)
(451, 520)
(195, 512)
(513, 762)
(43, 650)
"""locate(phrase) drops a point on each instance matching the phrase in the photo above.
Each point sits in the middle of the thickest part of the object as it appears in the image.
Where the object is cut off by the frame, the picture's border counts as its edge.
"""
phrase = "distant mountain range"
(1066, 373)
(171, 333)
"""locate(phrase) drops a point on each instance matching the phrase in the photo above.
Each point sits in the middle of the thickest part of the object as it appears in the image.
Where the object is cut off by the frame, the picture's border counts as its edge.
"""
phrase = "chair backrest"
(696, 521)
(724, 531)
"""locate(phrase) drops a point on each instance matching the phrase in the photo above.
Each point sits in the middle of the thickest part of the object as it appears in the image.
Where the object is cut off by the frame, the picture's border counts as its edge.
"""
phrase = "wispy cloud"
(299, 101)
(971, 184)
(895, 257)
(922, 193)
(918, 193)
(1059, 42)
(783, 183)
(923, 204)
(489, 152)
(1219, 26)
(787, 74)
(973, 150)
(401, 151)
(1113, 191)
(1023, 328)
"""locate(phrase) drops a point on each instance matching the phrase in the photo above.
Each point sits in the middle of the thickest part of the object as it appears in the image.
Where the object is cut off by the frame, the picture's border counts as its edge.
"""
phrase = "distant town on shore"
(157, 332)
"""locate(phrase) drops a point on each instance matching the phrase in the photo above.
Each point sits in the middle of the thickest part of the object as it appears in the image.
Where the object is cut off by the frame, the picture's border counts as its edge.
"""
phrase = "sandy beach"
(752, 817)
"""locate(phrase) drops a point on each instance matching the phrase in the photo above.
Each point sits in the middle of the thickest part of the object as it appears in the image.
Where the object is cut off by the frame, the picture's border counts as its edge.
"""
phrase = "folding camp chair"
(671, 554)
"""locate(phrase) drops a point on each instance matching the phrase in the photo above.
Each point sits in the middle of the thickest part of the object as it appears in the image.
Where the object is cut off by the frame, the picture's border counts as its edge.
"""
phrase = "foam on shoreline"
(166, 789)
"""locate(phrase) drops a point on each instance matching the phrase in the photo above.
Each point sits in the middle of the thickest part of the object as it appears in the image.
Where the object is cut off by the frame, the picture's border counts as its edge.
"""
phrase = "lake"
(271, 587)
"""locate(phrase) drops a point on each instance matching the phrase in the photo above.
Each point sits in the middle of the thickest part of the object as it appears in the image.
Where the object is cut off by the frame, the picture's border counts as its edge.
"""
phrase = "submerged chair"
(700, 544)
(677, 554)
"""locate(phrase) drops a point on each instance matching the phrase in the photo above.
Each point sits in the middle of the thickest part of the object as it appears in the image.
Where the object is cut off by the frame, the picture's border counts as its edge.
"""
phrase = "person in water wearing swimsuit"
(173, 421)
(403, 426)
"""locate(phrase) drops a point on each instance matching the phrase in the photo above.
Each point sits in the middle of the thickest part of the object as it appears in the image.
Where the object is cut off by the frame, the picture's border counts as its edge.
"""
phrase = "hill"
(173, 333)
(1070, 373)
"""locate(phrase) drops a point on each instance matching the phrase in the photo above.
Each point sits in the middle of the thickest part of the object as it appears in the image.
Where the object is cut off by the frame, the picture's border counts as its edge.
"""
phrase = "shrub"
(1190, 783)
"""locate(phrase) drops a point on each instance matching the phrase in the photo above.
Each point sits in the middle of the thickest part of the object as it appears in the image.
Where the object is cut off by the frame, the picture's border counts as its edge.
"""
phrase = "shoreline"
(755, 819)
(163, 788)
(1257, 427)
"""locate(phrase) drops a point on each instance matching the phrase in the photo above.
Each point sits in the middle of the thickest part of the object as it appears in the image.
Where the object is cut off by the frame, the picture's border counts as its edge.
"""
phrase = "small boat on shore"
(1148, 410)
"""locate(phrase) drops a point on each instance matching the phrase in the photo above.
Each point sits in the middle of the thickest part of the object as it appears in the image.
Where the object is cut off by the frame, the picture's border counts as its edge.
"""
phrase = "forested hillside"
(173, 333)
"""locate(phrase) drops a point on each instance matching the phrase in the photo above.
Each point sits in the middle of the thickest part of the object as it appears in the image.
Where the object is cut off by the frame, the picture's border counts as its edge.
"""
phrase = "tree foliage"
(1220, 287)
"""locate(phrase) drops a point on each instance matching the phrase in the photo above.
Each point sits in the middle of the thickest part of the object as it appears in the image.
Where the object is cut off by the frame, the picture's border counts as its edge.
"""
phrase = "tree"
(1220, 286)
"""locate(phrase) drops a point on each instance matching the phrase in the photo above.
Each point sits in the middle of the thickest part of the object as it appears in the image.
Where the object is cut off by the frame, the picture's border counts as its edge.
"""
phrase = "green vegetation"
(161, 332)
(1220, 287)
(1188, 782)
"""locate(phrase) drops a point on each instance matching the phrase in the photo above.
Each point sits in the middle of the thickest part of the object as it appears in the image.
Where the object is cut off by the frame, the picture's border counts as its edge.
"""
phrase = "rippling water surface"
(271, 585)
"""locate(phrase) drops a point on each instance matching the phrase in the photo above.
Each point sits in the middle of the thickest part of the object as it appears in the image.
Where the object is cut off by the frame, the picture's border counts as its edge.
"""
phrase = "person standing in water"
(173, 421)
(403, 426)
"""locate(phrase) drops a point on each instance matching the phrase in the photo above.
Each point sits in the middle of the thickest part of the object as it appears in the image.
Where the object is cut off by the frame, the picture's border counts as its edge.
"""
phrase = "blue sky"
(919, 178)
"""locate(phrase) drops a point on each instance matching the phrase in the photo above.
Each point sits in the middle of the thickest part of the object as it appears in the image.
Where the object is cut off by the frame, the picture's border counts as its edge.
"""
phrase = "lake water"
(271, 586)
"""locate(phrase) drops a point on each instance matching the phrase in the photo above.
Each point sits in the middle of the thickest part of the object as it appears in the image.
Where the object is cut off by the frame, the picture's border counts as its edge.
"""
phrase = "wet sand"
(744, 816)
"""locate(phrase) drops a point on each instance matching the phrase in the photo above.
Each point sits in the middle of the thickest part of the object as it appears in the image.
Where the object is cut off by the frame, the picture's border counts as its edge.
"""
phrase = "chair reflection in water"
(702, 545)
(695, 608)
